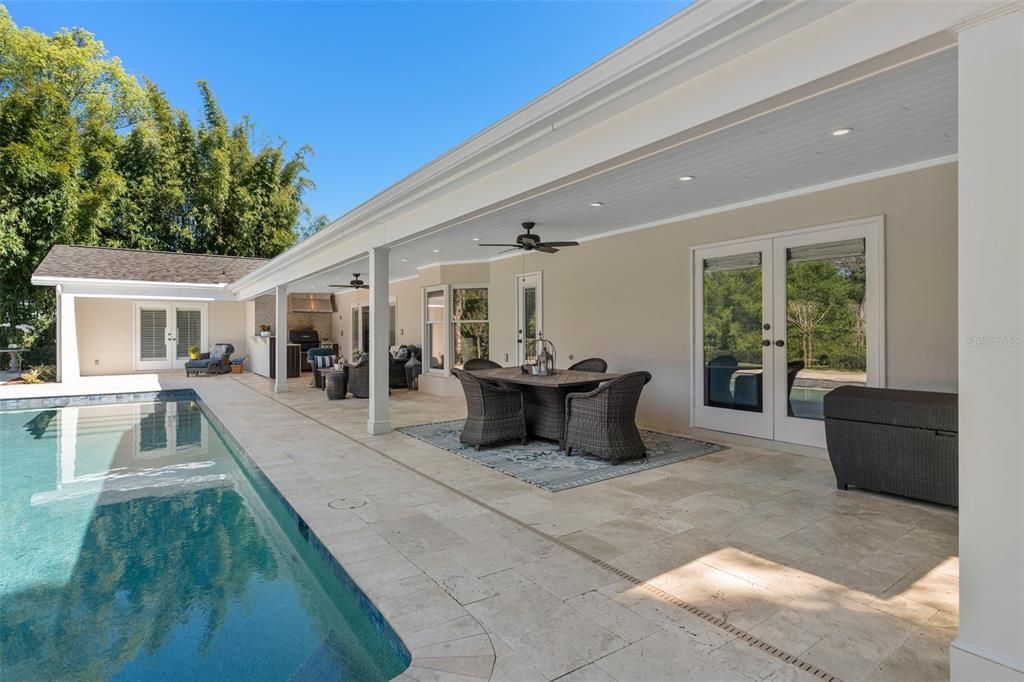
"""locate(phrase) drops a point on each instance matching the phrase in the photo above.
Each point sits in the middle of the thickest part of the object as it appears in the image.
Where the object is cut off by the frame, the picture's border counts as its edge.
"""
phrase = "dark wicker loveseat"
(894, 441)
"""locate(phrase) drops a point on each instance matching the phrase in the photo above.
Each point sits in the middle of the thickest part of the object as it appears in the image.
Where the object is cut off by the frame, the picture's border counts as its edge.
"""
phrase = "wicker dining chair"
(480, 363)
(590, 365)
(603, 421)
(494, 414)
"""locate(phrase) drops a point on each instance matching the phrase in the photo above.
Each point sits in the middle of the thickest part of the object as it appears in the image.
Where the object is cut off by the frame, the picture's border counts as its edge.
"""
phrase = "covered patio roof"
(714, 93)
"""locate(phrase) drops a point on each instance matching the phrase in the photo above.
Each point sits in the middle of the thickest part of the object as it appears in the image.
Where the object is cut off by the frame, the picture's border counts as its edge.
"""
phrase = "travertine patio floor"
(488, 577)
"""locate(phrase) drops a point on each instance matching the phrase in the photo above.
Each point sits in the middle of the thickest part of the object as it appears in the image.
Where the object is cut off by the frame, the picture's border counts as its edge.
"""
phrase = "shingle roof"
(92, 262)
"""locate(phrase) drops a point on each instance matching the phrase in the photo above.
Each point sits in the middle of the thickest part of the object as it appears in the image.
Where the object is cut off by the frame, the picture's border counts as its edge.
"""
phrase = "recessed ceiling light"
(839, 132)
(476, 239)
(437, 250)
(686, 178)
(597, 204)
(405, 260)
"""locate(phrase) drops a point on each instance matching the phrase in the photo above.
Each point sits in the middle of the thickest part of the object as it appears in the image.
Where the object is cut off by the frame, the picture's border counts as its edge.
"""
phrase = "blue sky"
(377, 89)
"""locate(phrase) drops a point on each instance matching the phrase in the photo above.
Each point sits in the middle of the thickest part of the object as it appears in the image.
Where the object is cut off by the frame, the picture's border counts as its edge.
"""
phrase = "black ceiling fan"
(532, 242)
(356, 283)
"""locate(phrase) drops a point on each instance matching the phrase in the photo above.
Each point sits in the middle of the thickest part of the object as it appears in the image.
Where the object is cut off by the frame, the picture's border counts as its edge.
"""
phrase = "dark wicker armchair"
(494, 414)
(396, 373)
(313, 353)
(359, 379)
(590, 365)
(480, 363)
(603, 421)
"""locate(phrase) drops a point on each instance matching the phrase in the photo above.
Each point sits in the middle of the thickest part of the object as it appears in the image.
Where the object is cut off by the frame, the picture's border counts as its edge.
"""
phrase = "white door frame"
(536, 279)
(777, 424)
(170, 335)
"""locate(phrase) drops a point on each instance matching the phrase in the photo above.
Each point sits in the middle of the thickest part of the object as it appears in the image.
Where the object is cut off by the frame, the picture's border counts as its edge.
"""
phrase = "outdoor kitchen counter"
(261, 356)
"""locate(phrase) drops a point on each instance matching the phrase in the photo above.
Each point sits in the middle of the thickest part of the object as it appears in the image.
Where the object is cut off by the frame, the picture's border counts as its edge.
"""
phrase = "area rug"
(541, 463)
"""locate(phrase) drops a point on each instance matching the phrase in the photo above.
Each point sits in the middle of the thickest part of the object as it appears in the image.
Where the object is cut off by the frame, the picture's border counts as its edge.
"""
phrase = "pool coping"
(380, 622)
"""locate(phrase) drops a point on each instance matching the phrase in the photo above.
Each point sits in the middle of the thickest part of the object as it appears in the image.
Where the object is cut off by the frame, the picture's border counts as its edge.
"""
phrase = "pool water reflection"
(136, 546)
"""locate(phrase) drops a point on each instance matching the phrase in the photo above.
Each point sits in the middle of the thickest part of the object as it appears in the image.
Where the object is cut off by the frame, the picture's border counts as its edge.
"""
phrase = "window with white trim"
(435, 332)
(471, 333)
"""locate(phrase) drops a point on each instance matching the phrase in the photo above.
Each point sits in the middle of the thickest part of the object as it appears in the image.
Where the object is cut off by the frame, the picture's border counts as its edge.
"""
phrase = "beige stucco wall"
(627, 298)
(105, 335)
(227, 324)
(106, 332)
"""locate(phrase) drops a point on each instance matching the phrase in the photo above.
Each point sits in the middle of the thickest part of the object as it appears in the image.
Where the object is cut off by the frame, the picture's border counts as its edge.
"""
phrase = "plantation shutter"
(190, 332)
(828, 251)
(392, 337)
(740, 261)
(152, 334)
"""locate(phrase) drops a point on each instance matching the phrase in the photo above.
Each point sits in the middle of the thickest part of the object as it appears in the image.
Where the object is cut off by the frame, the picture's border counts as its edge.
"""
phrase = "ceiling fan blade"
(513, 246)
(558, 244)
(545, 248)
(341, 286)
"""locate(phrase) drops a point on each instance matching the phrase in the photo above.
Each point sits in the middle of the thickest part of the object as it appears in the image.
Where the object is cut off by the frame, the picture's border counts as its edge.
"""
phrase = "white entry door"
(779, 322)
(529, 316)
(165, 331)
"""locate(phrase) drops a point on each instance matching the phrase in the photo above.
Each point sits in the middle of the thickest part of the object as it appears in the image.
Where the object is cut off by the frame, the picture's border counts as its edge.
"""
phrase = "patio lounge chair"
(480, 363)
(590, 365)
(217, 361)
(603, 421)
(494, 414)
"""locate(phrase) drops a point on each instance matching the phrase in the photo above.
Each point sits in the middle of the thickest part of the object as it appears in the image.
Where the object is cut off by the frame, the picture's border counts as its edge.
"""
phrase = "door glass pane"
(529, 316)
(733, 370)
(189, 332)
(355, 330)
(435, 331)
(365, 337)
(435, 306)
(152, 334)
(826, 330)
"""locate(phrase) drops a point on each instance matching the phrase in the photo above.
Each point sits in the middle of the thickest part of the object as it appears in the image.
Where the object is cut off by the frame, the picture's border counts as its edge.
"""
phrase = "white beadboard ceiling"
(904, 116)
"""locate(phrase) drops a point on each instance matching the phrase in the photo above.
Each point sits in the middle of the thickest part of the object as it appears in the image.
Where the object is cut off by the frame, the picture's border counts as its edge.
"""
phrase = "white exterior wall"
(990, 645)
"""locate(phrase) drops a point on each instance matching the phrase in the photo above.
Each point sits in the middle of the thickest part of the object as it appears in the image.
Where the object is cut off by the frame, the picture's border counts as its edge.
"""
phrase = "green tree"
(89, 155)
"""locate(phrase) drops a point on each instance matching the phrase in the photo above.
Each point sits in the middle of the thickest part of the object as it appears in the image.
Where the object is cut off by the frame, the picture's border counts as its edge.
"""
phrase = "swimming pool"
(136, 544)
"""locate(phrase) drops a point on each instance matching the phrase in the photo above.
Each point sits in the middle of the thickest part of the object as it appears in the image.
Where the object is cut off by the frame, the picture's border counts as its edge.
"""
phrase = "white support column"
(380, 339)
(990, 645)
(281, 339)
(68, 370)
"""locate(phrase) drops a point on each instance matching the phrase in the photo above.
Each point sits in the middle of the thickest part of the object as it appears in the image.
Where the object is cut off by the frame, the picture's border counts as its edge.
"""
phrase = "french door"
(781, 321)
(529, 316)
(164, 332)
